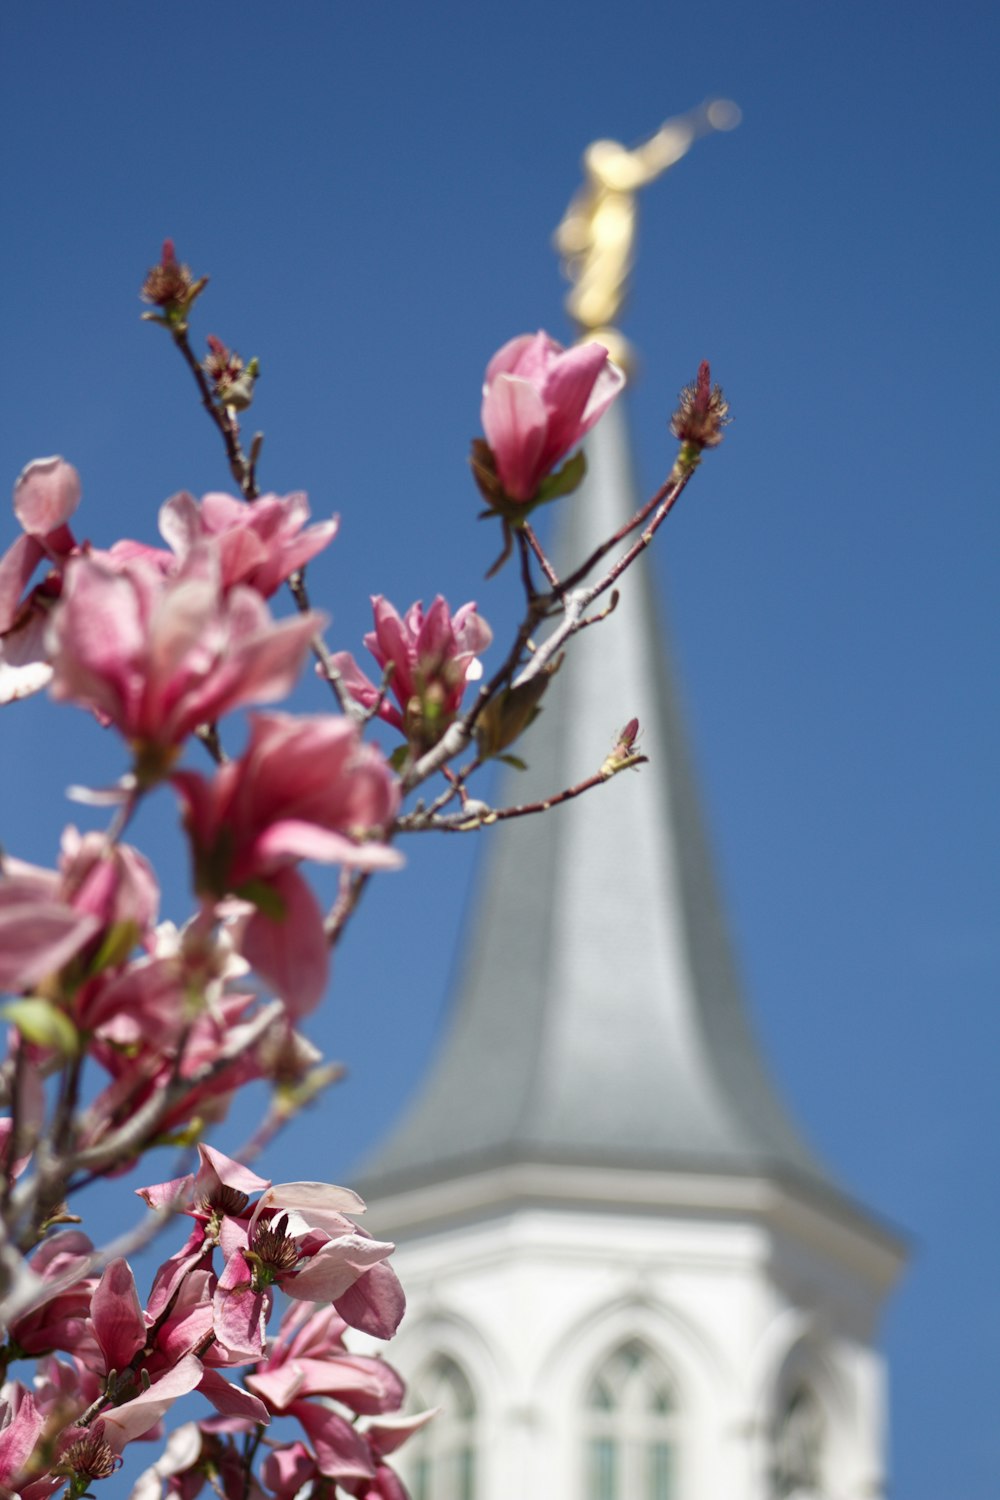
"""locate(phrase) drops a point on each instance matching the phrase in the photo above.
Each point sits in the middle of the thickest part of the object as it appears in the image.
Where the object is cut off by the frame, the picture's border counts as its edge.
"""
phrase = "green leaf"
(564, 481)
(399, 757)
(44, 1024)
(514, 761)
(119, 940)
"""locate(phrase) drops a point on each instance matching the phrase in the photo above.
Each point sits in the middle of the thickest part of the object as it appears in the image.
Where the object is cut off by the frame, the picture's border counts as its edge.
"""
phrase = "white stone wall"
(530, 1302)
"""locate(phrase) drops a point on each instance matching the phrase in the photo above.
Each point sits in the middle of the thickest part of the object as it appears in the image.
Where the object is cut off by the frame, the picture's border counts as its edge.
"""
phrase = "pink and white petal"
(567, 390)
(124, 1423)
(240, 1313)
(180, 523)
(293, 838)
(46, 494)
(290, 952)
(288, 1470)
(511, 357)
(16, 567)
(312, 1199)
(341, 1452)
(37, 937)
(386, 1434)
(19, 1438)
(217, 1168)
(375, 1304)
(25, 668)
(333, 1268)
(516, 422)
(231, 1400)
(181, 1452)
(280, 1386)
(117, 1315)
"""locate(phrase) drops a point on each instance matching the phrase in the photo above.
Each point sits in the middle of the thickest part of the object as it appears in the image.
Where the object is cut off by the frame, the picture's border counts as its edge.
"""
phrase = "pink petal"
(567, 390)
(386, 1434)
(327, 1275)
(130, 1420)
(293, 838)
(375, 1304)
(341, 1452)
(516, 423)
(117, 1313)
(16, 567)
(46, 494)
(290, 953)
(37, 937)
(18, 1438)
(311, 1198)
(240, 1313)
(230, 1399)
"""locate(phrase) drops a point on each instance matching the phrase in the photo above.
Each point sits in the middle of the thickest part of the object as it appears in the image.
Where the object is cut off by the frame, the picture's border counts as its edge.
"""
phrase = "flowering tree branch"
(127, 1033)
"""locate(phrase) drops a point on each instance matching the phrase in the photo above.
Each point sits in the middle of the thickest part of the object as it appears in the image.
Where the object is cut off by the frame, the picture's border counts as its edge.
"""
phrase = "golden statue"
(596, 238)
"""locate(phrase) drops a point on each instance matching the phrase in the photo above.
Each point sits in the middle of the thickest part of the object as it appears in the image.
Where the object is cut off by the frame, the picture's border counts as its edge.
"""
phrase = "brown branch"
(322, 652)
(352, 888)
(543, 561)
(477, 815)
(242, 469)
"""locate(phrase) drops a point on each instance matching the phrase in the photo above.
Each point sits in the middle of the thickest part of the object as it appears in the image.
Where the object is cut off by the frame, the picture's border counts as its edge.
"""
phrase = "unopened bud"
(170, 285)
(623, 753)
(703, 412)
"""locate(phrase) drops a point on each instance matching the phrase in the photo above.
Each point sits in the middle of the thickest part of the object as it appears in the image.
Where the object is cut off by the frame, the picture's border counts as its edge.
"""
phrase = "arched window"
(630, 1429)
(442, 1455)
(798, 1447)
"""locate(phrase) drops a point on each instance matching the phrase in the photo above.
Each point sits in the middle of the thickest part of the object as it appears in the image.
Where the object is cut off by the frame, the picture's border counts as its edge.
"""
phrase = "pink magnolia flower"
(61, 1320)
(305, 788)
(299, 1239)
(261, 542)
(149, 1065)
(45, 496)
(103, 896)
(39, 932)
(21, 1425)
(432, 657)
(158, 656)
(309, 1358)
(539, 400)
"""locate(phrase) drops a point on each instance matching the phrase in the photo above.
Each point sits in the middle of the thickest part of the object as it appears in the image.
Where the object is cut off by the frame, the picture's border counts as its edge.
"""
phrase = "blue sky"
(372, 189)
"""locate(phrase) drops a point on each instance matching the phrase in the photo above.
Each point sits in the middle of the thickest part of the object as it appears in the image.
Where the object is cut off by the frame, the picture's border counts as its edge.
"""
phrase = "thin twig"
(240, 467)
(352, 888)
(543, 561)
(477, 815)
(322, 652)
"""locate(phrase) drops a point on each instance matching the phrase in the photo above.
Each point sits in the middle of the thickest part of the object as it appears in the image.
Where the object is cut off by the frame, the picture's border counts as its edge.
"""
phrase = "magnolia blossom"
(305, 788)
(297, 1237)
(539, 400)
(432, 657)
(307, 1364)
(261, 542)
(45, 496)
(158, 656)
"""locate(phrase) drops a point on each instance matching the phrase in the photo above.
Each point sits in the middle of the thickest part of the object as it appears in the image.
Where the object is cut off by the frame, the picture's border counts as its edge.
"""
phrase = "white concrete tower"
(628, 1277)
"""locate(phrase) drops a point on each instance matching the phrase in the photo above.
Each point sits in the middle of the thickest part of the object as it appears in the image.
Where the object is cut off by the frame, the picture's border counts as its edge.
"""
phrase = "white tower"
(628, 1278)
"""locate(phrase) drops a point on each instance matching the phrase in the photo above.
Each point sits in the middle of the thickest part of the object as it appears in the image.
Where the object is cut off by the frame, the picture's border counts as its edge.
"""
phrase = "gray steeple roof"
(598, 1019)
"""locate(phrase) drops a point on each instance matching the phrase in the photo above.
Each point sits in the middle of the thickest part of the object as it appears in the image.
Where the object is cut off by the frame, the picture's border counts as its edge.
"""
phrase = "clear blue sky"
(372, 188)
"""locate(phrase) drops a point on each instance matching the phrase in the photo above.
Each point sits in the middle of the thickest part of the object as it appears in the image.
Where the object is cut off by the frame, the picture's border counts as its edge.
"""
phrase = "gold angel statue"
(596, 238)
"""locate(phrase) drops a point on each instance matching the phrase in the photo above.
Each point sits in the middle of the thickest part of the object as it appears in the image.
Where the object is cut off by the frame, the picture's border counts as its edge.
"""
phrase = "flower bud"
(623, 753)
(170, 285)
(703, 412)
